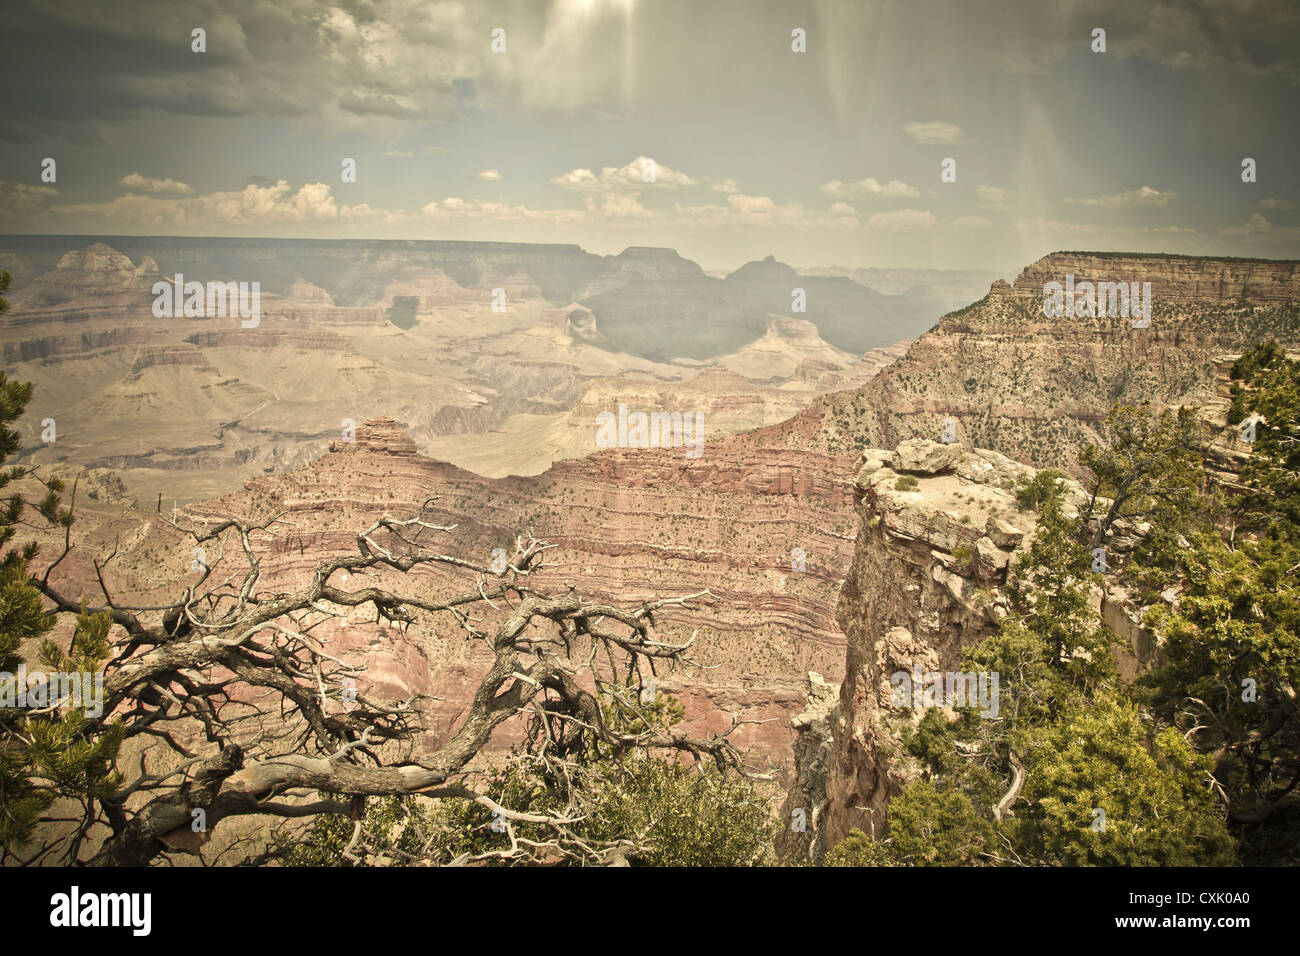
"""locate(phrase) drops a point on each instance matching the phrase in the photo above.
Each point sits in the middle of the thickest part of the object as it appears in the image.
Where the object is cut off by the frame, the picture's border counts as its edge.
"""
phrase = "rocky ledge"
(940, 533)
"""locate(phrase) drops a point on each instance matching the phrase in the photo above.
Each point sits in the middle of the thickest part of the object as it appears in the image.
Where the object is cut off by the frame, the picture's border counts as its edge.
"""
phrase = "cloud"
(1276, 204)
(21, 199)
(380, 104)
(972, 222)
(901, 220)
(934, 131)
(1028, 37)
(453, 209)
(317, 61)
(863, 188)
(631, 178)
(380, 60)
(136, 181)
(750, 212)
(253, 205)
(990, 196)
(1046, 234)
(563, 54)
(398, 154)
(1260, 232)
(1254, 37)
(617, 206)
(488, 175)
(436, 151)
(314, 206)
(1254, 225)
(1134, 198)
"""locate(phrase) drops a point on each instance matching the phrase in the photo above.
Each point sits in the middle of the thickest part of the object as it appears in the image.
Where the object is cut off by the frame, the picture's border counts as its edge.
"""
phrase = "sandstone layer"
(1035, 388)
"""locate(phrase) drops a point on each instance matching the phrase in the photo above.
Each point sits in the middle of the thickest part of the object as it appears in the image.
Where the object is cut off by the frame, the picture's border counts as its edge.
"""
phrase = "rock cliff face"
(932, 551)
(940, 530)
(799, 838)
(1034, 387)
(1174, 279)
(767, 533)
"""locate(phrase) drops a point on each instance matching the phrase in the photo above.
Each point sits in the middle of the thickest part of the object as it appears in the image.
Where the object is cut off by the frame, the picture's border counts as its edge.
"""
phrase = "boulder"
(923, 456)
(1003, 533)
(872, 461)
(987, 467)
(990, 560)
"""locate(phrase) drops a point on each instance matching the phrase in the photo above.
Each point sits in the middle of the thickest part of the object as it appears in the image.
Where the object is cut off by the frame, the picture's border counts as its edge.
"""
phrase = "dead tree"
(246, 669)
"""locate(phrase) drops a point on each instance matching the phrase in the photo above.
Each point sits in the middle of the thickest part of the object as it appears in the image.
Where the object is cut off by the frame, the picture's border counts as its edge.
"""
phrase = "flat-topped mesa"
(940, 531)
(1174, 279)
(384, 436)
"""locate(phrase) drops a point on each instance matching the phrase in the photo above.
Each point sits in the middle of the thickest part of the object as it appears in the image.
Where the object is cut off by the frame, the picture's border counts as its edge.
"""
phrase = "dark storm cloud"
(70, 62)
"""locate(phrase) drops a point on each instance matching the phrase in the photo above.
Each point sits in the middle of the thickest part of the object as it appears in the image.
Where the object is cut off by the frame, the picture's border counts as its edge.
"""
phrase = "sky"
(832, 155)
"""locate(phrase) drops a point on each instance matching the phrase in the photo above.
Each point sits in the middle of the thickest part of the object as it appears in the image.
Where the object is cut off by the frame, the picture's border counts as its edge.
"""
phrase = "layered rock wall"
(1035, 388)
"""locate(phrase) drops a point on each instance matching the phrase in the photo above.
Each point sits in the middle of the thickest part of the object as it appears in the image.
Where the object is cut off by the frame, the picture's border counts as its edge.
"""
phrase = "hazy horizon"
(1009, 274)
(732, 267)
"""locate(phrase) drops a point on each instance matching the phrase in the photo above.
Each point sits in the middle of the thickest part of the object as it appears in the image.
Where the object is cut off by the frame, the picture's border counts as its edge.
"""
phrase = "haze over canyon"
(492, 418)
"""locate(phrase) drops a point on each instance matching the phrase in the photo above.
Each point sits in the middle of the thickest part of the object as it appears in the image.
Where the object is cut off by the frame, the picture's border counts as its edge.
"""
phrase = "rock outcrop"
(925, 457)
(928, 580)
(799, 836)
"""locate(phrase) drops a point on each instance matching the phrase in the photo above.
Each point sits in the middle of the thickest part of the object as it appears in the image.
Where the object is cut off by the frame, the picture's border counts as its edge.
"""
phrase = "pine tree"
(44, 754)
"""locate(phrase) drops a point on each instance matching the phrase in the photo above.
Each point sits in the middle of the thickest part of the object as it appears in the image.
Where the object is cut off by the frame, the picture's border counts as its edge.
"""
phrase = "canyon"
(1035, 388)
(496, 356)
(816, 562)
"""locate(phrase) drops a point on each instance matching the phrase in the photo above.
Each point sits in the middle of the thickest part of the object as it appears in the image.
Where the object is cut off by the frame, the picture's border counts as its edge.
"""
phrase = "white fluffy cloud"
(453, 209)
(1134, 198)
(990, 195)
(617, 206)
(252, 205)
(632, 178)
(136, 181)
(935, 131)
(870, 187)
(488, 175)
